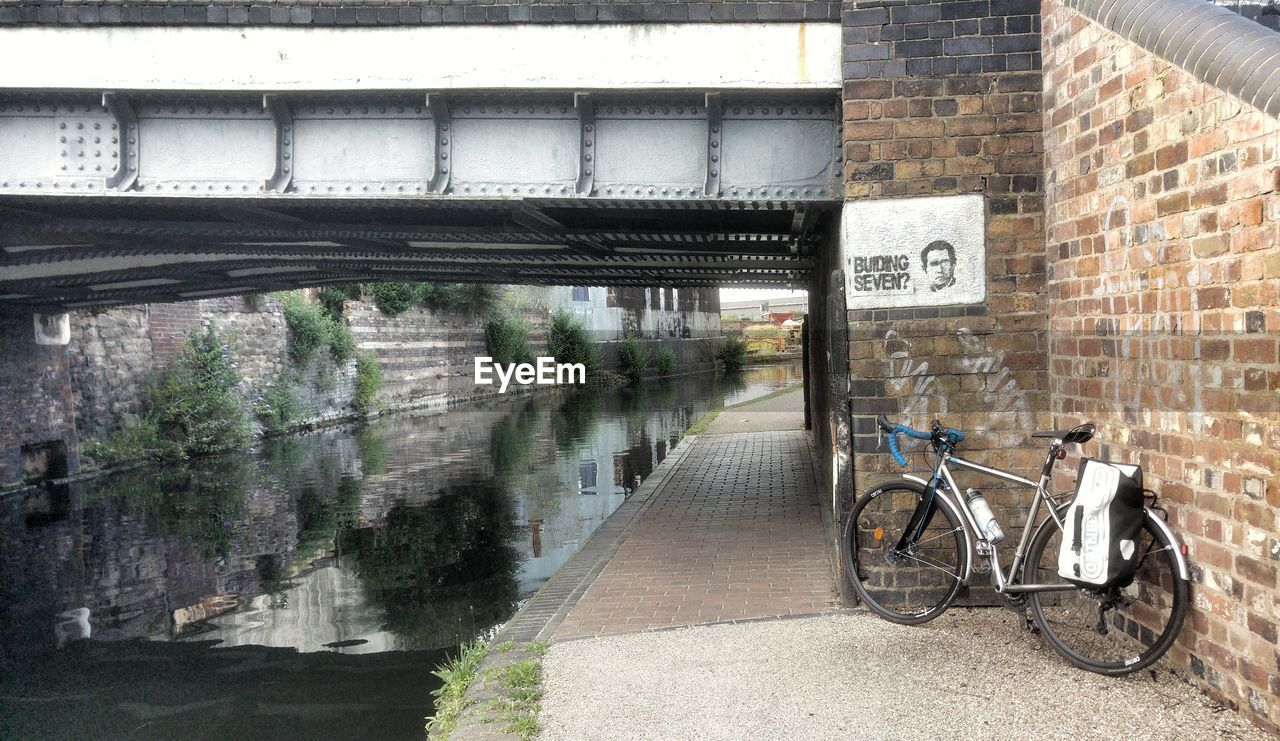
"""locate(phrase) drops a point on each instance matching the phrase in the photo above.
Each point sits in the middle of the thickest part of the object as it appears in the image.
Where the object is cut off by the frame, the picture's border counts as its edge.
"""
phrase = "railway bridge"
(1009, 214)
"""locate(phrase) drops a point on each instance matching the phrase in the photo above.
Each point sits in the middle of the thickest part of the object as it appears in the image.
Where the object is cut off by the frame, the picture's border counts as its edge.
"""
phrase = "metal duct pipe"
(1222, 48)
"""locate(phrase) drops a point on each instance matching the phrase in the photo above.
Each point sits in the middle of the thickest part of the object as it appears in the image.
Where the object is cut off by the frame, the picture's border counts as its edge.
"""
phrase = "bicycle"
(909, 545)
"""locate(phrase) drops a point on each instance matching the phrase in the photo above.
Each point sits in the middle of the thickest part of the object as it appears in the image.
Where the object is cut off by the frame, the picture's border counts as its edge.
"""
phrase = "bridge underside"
(143, 197)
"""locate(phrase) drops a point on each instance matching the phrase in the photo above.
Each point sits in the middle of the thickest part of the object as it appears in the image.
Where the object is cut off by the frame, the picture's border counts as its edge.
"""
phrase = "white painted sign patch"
(905, 252)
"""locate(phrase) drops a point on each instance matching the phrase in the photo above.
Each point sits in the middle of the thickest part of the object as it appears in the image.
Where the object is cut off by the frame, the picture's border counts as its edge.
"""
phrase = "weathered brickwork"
(944, 98)
(409, 12)
(169, 324)
(38, 408)
(1164, 304)
(111, 359)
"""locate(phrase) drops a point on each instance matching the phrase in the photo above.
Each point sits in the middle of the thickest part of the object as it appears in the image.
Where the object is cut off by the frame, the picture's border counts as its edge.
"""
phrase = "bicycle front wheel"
(912, 583)
(1110, 631)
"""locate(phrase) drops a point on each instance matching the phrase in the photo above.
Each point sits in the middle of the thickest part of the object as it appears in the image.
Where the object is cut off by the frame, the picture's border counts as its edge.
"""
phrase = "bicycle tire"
(895, 585)
(1155, 606)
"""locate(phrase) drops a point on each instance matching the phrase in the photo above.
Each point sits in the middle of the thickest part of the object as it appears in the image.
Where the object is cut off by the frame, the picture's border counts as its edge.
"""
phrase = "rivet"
(715, 158)
(346, 110)
(97, 140)
(79, 126)
(65, 167)
(444, 142)
(716, 173)
(114, 127)
(444, 155)
(444, 170)
(63, 139)
(590, 128)
(62, 126)
(132, 140)
(651, 109)
(588, 158)
(115, 140)
(588, 171)
(587, 142)
(715, 129)
(64, 153)
(715, 145)
(286, 155)
(444, 127)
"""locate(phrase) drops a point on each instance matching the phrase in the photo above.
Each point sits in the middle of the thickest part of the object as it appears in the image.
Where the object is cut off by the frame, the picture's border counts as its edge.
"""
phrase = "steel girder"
(120, 198)
(668, 146)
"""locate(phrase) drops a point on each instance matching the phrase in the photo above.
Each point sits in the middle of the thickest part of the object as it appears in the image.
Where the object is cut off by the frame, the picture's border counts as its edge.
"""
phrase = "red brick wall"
(1164, 304)
(169, 326)
(943, 98)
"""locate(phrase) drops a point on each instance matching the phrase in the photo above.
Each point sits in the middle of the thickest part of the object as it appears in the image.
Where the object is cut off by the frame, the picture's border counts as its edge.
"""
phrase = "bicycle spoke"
(931, 564)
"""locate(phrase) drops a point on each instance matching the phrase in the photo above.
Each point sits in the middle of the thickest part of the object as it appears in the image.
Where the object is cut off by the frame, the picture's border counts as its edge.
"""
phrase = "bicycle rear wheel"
(910, 585)
(1111, 631)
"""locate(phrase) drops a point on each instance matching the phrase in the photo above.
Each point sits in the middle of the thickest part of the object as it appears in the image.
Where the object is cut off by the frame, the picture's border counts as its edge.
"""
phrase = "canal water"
(307, 589)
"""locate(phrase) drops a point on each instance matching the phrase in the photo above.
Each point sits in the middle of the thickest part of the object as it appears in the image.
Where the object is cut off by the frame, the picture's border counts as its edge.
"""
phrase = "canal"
(306, 589)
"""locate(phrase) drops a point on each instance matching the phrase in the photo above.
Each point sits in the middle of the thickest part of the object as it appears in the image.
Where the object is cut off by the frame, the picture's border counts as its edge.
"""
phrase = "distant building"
(740, 314)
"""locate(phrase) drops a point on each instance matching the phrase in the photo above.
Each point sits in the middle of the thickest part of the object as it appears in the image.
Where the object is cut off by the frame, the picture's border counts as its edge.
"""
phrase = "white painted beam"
(792, 56)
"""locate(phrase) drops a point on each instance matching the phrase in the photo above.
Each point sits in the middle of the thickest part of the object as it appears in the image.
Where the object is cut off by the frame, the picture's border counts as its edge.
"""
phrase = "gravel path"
(968, 674)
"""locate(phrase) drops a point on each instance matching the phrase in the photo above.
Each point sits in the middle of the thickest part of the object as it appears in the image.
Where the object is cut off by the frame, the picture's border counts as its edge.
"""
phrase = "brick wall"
(409, 12)
(1164, 304)
(36, 389)
(944, 98)
(169, 324)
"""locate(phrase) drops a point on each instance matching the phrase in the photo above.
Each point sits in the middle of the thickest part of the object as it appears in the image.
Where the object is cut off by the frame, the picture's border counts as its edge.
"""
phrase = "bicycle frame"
(976, 540)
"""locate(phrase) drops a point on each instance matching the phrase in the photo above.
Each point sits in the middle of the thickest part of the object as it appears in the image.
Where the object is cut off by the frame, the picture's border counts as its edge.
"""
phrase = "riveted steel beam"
(587, 143)
(282, 119)
(441, 124)
(126, 124)
(715, 137)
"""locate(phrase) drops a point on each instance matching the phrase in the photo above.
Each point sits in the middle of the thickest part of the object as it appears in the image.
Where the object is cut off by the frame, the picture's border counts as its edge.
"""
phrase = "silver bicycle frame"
(1003, 583)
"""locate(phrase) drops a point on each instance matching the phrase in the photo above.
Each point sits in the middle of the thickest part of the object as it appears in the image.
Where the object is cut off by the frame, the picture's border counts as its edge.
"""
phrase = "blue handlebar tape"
(893, 448)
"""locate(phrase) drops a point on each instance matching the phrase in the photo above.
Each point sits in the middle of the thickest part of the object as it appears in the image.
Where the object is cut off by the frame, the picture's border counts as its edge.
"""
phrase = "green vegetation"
(457, 674)
(332, 297)
(518, 705)
(277, 408)
(397, 298)
(194, 405)
(665, 358)
(507, 340)
(368, 381)
(732, 352)
(312, 328)
(633, 358)
(394, 298)
(569, 342)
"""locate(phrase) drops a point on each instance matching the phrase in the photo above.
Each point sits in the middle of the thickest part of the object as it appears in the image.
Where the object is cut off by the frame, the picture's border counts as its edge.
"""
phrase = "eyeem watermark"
(544, 373)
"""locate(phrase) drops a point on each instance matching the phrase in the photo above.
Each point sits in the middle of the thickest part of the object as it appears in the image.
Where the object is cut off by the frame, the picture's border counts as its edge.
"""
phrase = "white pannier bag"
(1102, 526)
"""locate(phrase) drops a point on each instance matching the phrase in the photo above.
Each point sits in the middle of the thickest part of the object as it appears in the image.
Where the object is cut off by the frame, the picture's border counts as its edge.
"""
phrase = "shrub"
(507, 340)
(137, 438)
(368, 381)
(665, 358)
(194, 403)
(733, 353)
(332, 298)
(277, 408)
(342, 346)
(395, 298)
(633, 358)
(309, 327)
(569, 342)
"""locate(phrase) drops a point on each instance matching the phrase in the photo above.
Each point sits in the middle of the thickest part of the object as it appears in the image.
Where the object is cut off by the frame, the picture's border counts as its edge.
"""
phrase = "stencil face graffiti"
(904, 252)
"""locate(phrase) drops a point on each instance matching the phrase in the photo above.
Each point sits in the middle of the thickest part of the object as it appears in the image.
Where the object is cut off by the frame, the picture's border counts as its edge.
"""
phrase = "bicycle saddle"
(1078, 434)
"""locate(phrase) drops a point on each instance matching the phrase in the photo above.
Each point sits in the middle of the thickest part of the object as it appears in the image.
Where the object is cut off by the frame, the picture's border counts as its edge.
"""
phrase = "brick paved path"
(735, 533)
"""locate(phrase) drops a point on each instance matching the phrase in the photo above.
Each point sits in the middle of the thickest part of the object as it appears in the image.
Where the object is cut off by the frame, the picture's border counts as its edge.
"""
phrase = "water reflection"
(413, 534)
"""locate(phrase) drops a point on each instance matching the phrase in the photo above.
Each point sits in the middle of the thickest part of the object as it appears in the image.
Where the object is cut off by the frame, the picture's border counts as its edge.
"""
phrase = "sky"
(752, 294)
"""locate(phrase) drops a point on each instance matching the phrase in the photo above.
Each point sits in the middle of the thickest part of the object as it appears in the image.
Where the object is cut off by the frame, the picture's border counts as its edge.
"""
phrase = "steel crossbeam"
(124, 197)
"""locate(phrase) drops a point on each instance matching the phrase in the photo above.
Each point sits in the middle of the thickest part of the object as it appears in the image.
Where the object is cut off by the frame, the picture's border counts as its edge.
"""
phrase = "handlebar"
(938, 434)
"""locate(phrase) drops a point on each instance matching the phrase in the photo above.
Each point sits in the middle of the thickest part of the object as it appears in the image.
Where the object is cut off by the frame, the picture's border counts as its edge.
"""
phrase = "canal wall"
(87, 388)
